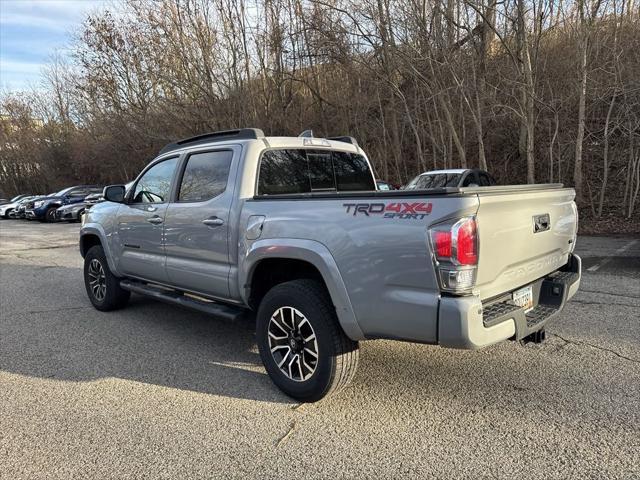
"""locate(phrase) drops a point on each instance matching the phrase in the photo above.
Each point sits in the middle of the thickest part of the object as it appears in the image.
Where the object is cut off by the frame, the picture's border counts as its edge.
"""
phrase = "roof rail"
(345, 139)
(239, 134)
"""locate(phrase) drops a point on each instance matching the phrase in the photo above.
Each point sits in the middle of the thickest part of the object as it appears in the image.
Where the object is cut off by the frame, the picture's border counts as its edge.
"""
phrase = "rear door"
(197, 226)
(140, 223)
(525, 233)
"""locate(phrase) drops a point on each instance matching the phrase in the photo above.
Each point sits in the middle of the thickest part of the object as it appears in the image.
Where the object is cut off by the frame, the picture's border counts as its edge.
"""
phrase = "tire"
(50, 215)
(6, 213)
(107, 294)
(336, 362)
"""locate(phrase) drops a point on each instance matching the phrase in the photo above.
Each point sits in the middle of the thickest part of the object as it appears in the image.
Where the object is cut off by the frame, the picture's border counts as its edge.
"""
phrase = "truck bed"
(392, 255)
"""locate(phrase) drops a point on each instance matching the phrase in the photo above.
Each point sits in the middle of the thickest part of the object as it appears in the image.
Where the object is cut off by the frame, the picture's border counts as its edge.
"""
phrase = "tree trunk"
(605, 155)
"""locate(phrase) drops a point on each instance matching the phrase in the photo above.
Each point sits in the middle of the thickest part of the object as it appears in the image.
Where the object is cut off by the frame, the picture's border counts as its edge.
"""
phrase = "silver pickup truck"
(293, 229)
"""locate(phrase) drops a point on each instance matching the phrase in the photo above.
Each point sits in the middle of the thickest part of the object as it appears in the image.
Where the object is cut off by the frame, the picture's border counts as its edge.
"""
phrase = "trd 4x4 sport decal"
(414, 210)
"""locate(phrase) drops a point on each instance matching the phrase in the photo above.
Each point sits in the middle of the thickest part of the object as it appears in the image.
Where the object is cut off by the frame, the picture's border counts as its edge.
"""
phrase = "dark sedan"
(74, 211)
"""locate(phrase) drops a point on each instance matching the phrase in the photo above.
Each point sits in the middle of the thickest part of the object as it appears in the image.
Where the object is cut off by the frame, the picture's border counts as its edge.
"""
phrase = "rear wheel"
(301, 343)
(103, 287)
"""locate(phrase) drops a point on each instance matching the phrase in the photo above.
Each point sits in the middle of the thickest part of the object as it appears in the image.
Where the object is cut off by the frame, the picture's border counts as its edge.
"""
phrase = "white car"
(5, 209)
(454, 177)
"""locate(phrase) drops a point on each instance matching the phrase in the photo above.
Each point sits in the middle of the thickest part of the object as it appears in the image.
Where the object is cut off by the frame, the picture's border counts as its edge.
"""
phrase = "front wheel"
(103, 287)
(301, 343)
(50, 215)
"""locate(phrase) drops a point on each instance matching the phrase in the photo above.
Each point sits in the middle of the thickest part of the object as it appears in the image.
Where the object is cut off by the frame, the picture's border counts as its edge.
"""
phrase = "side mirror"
(114, 193)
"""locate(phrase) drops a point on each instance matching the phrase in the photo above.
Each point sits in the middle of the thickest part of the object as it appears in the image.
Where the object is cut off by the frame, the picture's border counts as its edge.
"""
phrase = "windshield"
(434, 180)
(16, 198)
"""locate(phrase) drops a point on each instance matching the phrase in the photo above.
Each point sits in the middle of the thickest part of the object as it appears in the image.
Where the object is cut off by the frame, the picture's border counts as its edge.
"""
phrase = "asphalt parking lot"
(155, 391)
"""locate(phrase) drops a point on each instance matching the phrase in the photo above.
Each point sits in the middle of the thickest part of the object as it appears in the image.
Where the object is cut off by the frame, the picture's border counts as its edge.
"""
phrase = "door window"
(205, 176)
(155, 185)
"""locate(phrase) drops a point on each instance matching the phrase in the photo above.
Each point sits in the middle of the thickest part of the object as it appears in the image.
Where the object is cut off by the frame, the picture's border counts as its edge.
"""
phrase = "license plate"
(524, 298)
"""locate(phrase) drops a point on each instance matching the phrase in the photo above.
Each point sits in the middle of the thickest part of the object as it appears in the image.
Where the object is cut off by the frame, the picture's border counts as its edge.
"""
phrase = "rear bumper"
(465, 322)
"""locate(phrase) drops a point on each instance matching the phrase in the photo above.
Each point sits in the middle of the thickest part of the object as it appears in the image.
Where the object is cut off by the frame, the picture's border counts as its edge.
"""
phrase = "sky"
(32, 31)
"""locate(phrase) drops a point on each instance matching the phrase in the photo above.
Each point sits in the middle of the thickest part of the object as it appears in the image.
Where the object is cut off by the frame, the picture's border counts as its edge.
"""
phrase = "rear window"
(304, 171)
(352, 172)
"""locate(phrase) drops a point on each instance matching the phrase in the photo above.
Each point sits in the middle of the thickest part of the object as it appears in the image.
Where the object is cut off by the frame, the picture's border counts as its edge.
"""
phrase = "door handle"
(155, 220)
(213, 222)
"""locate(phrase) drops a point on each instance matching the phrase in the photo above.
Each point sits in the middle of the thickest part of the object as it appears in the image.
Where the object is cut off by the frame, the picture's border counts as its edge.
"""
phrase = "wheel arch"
(91, 236)
(271, 262)
(87, 241)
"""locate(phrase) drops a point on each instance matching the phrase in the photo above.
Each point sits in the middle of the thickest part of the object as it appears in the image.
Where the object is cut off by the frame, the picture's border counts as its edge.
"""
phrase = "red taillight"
(443, 244)
(454, 244)
(467, 253)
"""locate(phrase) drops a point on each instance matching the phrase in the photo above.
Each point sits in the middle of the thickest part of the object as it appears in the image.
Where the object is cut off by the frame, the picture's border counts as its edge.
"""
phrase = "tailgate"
(523, 235)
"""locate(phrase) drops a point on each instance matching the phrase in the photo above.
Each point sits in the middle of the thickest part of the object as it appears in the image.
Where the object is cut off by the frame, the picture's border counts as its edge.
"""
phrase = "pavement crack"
(597, 347)
(51, 310)
(606, 304)
(52, 247)
(292, 428)
(608, 293)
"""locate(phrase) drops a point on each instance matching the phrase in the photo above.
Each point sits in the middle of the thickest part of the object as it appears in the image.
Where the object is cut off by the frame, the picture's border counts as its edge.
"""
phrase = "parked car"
(74, 211)
(7, 208)
(293, 229)
(44, 209)
(382, 185)
(462, 177)
(19, 211)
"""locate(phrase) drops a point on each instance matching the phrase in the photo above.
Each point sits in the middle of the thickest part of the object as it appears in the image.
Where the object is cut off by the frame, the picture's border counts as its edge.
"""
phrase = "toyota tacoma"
(293, 229)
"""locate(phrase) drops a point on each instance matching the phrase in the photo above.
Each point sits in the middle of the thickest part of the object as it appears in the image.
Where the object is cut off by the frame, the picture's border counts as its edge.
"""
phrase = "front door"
(140, 223)
(197, 226)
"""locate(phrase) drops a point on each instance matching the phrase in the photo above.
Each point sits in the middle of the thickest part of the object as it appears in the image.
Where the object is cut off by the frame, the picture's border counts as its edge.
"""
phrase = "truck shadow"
(62, 337)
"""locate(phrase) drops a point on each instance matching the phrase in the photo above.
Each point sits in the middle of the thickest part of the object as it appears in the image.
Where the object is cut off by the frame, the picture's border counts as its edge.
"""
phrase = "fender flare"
(97, 230)
(317, 255)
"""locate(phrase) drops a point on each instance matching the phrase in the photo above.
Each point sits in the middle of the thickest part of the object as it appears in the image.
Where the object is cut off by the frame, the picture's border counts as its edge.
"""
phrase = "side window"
(469, 180)
(352, 173)
(78, 192)
(283, 171)
(205, 176)
(484, 180)
(154, 186)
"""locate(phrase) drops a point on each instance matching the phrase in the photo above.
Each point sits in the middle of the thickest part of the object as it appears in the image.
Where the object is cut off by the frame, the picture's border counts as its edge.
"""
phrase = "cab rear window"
(293, 171)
